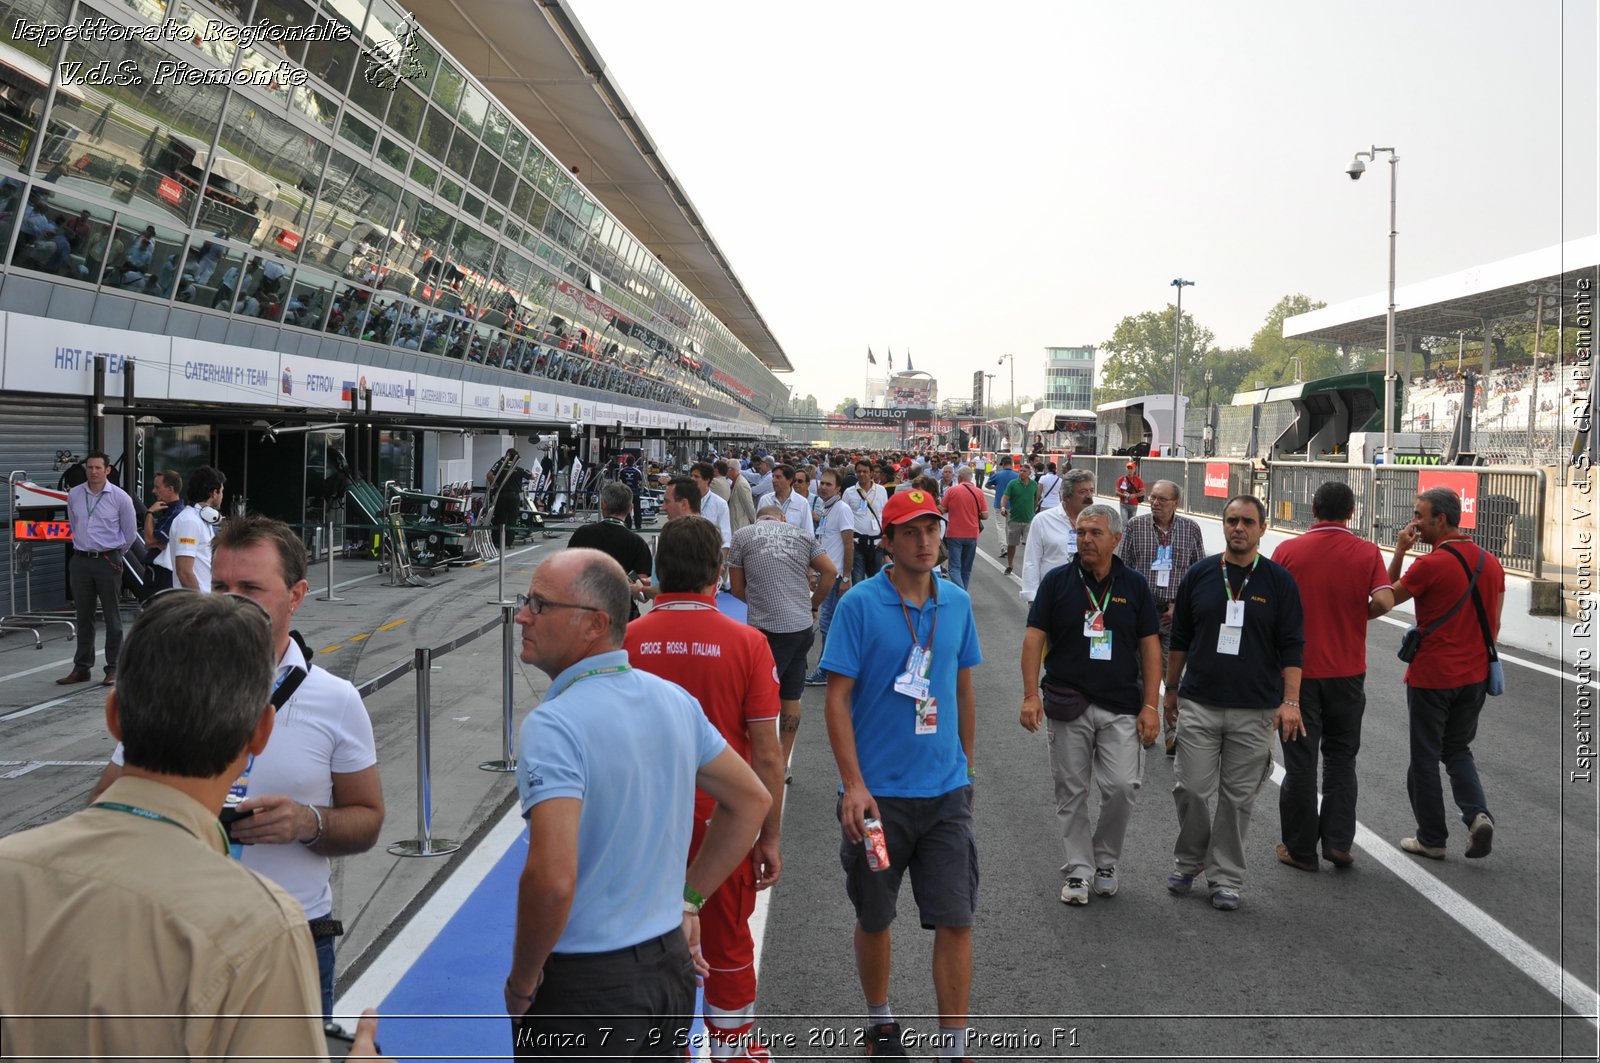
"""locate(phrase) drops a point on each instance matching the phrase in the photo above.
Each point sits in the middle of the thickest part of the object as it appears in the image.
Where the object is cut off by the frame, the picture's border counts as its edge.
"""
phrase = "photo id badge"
(1163, 558)
(1163, 577)
(1094, 623)
(1228, 640)
(927, 716)
(1100, 647)
(1235, 615)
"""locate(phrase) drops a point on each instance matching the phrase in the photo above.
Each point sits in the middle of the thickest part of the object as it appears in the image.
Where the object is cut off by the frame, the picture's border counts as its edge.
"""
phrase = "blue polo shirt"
(869, 641)
(998, 481)
(628, 745)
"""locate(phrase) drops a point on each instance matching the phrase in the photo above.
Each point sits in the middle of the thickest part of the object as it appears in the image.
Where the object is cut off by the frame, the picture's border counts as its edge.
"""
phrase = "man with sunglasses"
(1237, 643)
(314, 793)
(602, 953)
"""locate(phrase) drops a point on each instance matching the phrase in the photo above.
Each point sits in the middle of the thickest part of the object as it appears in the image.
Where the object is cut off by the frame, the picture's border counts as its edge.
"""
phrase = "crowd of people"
(670, 723)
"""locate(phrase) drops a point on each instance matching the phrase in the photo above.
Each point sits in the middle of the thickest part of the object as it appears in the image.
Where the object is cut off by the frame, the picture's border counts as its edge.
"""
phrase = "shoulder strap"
(1472, 583)
(1477, 601)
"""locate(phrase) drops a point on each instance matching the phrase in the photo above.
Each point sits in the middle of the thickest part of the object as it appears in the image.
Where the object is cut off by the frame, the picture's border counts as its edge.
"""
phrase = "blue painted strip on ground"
(463, 970)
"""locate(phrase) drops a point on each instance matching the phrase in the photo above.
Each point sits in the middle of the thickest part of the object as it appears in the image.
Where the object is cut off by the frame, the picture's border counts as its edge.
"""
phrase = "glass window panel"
(505, 183)
(358, 132)
(461, 151)
(216, 51)
(494, 217)
(61, 236)
(405, 113)
(260, 189)
(393, 154)
(313, 103)
(522, 199)
(423, 173)
(447, 86)
(309, 304)
(149, 258)
(289, 14)
(334, 61)
(483, 171)
(538, 211)
(535, 166)
(472, 204)
(374, 99)
(436, 130)
(516, 145)
(449, 190)
(474, 108)
(427, 65)
(495, 128)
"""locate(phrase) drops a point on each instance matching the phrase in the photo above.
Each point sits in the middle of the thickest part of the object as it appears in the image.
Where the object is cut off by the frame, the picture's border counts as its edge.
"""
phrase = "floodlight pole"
(1177, 363)
(1354, 171)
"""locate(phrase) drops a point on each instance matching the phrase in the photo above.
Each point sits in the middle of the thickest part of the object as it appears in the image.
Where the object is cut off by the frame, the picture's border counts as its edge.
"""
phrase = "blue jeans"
(1443, 724)
(325, 972)
(825, 616)
(962, 554)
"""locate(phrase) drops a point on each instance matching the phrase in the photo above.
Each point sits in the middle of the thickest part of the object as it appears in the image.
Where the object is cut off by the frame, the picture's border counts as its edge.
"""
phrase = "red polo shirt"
(1454, 655)
(726, 665)
(962, 503)
(1336, 571)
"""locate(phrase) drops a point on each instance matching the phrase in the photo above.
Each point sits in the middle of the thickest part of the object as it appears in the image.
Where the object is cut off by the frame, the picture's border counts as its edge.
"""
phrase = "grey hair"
(1075, 477)
(1444, 503)
(1112, 515)
(1177, 492)
(616, 499)
(600, 582)
(964, 473)
(186, 713)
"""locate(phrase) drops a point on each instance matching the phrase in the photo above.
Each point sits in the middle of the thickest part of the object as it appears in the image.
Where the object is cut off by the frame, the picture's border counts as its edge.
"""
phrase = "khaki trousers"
(1105, 744)
(1226, 755)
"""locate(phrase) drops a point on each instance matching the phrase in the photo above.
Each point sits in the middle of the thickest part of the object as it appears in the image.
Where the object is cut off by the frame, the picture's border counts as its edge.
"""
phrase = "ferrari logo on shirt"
(918, 497)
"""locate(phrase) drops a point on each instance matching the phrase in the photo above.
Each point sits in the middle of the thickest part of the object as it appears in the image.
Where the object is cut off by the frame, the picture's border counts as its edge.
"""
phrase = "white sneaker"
(1105, 881)
(1076, 891)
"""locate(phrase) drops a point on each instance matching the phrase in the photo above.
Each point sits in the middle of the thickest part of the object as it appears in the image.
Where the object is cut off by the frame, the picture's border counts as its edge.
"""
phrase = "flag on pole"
(909, 367)
(891, 359)
(871, 360)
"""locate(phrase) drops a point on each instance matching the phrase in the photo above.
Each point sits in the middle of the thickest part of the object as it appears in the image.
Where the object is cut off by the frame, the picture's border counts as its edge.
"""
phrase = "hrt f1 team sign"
(1464, 484)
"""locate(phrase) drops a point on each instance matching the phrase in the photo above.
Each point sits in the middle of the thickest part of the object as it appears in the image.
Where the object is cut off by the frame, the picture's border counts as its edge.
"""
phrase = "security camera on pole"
(1355, 170)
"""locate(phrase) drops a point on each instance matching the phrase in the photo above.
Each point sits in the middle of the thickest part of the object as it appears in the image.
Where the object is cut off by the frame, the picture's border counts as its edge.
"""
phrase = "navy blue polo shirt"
(1273, 637)
(1130, 615)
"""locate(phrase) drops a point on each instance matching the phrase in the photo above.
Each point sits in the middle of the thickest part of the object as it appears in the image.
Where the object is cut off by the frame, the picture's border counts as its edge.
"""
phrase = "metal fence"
(1502, 508)
(1292, 486)
(1209, 483)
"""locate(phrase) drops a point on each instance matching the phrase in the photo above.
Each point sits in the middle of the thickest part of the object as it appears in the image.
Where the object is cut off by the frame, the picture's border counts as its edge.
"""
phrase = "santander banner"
(1464, 484)
(1216, 479)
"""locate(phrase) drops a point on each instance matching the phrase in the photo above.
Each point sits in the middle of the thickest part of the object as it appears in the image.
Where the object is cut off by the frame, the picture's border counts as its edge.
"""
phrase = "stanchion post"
(328, 544)
(507, 761)
(424, 844)
(500, 598)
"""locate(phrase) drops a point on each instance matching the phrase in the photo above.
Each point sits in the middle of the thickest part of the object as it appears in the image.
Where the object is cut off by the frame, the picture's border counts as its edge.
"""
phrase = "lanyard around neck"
(1227, 582)
(145, 813)
(905, 611)
(1099, 606)
(581, 676)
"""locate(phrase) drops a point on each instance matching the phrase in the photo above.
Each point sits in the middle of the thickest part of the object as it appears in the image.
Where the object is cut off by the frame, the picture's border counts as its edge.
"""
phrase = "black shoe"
(883, 1039)
(1008, 570)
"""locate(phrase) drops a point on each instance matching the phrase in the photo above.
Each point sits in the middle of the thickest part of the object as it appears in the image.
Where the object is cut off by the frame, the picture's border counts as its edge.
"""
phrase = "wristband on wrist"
(972, 773)
(317, 837)
(692, 899)
(690, 909)
(1291, 704)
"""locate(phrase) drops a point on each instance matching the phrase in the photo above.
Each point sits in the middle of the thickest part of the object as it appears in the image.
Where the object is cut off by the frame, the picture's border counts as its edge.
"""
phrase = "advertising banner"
(55, 357)
(313, 383)
(1464, 484)
(436, 395)
(203, 371)
(1216, 479)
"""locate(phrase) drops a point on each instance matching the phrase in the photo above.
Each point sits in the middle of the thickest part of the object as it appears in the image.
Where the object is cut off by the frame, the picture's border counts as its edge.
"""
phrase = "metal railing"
(1211, 482)
(1291, 487)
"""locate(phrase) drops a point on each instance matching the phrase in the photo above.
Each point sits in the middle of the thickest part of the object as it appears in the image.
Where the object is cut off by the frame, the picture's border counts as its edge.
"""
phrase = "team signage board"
(203, 371)
(314, 383)
(54, 357)
(436, 395)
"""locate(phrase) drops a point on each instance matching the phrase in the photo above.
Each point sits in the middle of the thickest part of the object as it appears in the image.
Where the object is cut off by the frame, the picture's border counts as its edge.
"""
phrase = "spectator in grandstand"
(1162, 546)
(1342, 585)
(127, 919)
(602, 947)
(1460, 590)
(740, 698)
(1099, 697)
(1237, 643)
(901, 714)
(1053, 535)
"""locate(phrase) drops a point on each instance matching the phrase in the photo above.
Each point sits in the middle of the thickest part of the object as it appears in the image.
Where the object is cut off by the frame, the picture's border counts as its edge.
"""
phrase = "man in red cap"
(1130, 491)
(901, 715)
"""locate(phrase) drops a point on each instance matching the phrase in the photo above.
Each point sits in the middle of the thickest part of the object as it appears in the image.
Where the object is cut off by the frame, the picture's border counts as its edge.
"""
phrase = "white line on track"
(35, 670)
(397, 957)
(1543, 971)
(52, 703)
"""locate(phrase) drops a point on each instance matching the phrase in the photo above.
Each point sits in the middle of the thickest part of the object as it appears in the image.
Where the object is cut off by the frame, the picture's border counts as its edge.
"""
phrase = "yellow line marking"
(330, 649)
(358, 638)
(391, 625)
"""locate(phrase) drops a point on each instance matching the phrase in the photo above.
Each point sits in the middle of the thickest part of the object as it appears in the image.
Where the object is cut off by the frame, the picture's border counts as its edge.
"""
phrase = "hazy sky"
(966, 180)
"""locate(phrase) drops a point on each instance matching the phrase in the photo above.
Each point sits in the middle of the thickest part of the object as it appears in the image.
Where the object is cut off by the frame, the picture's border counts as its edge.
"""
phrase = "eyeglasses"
(536, 605)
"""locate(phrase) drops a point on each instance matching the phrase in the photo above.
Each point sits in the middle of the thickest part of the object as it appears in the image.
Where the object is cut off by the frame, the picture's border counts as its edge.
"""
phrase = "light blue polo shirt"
(628, 745)
(869, 641)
